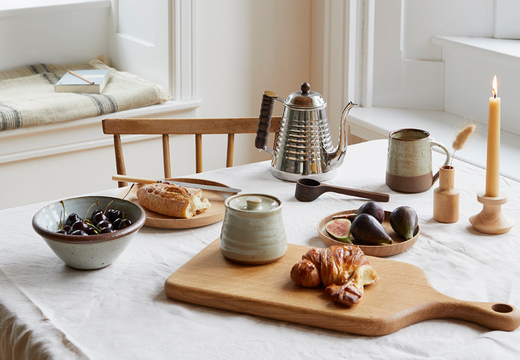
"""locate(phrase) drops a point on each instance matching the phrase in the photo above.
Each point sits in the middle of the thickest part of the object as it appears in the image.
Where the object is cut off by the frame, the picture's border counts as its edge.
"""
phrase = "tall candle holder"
(491, 220)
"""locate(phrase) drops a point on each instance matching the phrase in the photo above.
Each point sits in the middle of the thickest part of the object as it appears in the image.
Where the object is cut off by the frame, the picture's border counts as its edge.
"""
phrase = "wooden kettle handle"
(264, 122)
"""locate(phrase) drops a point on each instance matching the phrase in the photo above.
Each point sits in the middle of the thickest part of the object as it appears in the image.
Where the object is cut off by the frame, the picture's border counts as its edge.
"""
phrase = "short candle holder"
(491, 220)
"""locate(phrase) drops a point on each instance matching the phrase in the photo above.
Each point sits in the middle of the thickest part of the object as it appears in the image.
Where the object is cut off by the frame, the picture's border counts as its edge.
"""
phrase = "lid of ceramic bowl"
(254, 202)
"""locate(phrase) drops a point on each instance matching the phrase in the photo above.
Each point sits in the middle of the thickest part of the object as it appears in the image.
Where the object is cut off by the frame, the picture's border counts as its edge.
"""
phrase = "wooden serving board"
(213, 215)
(402, 295)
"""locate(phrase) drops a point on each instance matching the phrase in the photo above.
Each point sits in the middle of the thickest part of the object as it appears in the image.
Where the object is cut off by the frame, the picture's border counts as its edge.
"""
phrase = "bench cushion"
(27, 96)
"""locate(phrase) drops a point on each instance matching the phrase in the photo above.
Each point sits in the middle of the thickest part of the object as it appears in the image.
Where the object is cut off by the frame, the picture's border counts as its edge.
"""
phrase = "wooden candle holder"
(491, 220)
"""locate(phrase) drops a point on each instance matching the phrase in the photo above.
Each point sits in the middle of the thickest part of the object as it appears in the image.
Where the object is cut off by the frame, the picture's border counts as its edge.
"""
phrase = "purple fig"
(404, 221)
(339, 229)
(350, 216)
(372, 208)
(367, 228)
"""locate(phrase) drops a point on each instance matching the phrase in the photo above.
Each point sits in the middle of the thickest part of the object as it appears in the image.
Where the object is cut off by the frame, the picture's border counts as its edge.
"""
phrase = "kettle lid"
(305, 98)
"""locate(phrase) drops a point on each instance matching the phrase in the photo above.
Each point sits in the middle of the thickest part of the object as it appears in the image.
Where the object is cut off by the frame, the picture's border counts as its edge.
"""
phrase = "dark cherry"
(96, 212)
(79, 225)
(79, 233)
(72, 218)
(99, 217)
(113, 214)
(66, 228)
(117, 223)
(106, 230)
(61, 231)
(104, 224)
(125, 223)
(92, 231)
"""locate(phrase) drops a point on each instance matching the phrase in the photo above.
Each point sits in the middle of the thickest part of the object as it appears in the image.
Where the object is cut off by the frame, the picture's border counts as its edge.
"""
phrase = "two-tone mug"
(409, 163)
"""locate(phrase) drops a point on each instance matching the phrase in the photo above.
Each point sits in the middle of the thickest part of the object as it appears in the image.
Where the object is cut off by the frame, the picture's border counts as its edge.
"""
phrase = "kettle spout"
(335, 159)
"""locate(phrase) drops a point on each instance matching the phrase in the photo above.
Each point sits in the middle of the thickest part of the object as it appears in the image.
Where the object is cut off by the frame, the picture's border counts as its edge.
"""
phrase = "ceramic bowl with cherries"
(89, 232)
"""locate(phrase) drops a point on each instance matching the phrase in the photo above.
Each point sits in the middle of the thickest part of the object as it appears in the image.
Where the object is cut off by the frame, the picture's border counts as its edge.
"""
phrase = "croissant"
(343, 270)
(350, 293)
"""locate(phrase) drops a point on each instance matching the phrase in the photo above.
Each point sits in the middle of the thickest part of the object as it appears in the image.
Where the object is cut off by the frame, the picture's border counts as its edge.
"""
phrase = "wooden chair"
(167, 127)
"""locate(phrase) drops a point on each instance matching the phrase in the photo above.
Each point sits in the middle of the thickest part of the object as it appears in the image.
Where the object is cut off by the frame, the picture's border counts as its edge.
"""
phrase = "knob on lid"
(305, 98)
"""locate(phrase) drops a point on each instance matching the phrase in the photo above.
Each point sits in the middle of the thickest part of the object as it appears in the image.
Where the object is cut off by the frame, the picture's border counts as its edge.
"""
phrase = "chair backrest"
(167, 127)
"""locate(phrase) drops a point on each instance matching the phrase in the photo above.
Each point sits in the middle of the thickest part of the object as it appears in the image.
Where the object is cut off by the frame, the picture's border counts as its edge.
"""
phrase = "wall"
(245, 48)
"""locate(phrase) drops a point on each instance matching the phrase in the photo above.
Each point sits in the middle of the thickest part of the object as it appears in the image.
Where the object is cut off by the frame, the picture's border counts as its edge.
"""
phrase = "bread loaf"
(172, 200)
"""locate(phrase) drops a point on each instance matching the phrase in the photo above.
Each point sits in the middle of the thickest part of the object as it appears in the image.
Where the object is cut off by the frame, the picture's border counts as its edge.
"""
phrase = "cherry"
(72, 218)
(98, 217)
(79, 225)
(106, 230)
(117, 223)
(125, 223)
(104, 224)
(79, 233)
(61, 231)
(92, 231)
(113, 214)
(66, 228)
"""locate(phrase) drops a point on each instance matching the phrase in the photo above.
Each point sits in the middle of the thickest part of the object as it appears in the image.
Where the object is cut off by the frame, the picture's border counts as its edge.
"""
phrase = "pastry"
(343, 270)
(172, 200)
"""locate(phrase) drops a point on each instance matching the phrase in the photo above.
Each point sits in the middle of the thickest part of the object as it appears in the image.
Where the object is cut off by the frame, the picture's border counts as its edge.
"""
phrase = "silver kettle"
(303, 147)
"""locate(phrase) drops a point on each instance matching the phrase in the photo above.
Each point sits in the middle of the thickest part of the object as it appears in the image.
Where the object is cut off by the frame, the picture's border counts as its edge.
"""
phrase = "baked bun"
(172, 200)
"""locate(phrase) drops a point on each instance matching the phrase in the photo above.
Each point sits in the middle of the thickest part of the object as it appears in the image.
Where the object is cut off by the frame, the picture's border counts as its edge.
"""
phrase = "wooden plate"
(399, 245)
(214, 214)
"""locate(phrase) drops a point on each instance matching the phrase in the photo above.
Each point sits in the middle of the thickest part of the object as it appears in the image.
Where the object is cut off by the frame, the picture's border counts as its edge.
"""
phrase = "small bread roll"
(172, 200)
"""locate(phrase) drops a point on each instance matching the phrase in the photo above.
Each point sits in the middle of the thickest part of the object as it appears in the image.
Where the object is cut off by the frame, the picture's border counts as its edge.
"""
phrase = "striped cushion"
(27, 96)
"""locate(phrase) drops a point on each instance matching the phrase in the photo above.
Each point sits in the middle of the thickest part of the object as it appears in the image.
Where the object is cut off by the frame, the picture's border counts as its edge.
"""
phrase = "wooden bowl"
(399, 245)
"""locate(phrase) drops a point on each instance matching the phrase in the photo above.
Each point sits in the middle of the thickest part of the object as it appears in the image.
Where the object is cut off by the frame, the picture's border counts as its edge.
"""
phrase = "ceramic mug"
(253, 231)
(409, 163)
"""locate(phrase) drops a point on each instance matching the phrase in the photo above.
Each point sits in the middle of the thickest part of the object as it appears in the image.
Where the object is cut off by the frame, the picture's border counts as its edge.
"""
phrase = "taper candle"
(493, 145)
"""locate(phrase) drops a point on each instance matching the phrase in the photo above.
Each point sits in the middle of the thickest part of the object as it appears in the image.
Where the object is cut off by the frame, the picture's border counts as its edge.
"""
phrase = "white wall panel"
(398, 82)
(425, 18)
(47, 37)
(468, 86)
(140, 39)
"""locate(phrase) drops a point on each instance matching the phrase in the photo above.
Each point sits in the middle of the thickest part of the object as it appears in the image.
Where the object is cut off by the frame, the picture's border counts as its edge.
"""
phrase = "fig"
(350, 216)
(339, 229)
(372, 208)
(368, 229)
(404, 221)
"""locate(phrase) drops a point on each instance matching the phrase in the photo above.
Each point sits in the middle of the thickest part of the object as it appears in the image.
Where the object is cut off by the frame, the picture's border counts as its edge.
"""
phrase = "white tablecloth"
(48, 310)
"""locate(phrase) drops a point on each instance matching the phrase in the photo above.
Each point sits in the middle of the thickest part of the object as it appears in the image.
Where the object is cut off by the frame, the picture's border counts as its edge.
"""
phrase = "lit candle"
(493, 144)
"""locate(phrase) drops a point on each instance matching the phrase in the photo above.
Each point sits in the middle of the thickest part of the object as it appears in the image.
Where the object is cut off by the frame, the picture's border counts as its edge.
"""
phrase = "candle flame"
(495, 86)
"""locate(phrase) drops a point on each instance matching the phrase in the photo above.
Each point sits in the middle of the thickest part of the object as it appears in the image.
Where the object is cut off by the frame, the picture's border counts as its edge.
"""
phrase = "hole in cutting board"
(502, 308)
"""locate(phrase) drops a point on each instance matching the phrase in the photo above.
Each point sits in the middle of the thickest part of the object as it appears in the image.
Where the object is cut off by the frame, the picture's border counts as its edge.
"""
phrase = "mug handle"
(448, 157)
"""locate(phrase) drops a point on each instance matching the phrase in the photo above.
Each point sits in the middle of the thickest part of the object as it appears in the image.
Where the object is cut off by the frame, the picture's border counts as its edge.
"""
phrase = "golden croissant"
(343, 270)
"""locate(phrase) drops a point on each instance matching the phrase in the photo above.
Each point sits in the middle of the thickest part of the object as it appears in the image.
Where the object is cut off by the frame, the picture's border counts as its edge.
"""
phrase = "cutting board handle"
(496, 316)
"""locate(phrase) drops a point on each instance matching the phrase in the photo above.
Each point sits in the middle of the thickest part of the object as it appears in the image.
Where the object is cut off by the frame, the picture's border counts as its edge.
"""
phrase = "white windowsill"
(376, 123)
(22, 140)
(29, 7)
(502, 48)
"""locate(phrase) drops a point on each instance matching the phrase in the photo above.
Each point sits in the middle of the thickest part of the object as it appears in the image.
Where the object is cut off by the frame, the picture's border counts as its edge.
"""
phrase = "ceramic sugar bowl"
(253, 231)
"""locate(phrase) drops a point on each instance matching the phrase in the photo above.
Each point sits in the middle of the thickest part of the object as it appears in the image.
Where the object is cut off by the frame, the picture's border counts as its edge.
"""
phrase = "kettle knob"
(306, 87)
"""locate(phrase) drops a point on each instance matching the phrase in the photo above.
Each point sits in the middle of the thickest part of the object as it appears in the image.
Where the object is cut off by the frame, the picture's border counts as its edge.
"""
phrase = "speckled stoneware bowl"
(253, 231)
(93, 251)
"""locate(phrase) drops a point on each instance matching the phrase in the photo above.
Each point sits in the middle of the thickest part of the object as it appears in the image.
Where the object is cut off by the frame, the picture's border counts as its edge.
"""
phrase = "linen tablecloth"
(51, 311)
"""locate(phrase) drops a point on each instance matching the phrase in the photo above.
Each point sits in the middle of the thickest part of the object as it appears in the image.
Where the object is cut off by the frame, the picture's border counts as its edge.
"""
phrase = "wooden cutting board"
(402, 296)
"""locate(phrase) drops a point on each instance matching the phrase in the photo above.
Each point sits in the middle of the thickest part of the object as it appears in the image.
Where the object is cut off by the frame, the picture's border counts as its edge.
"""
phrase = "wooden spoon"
(309, 190)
